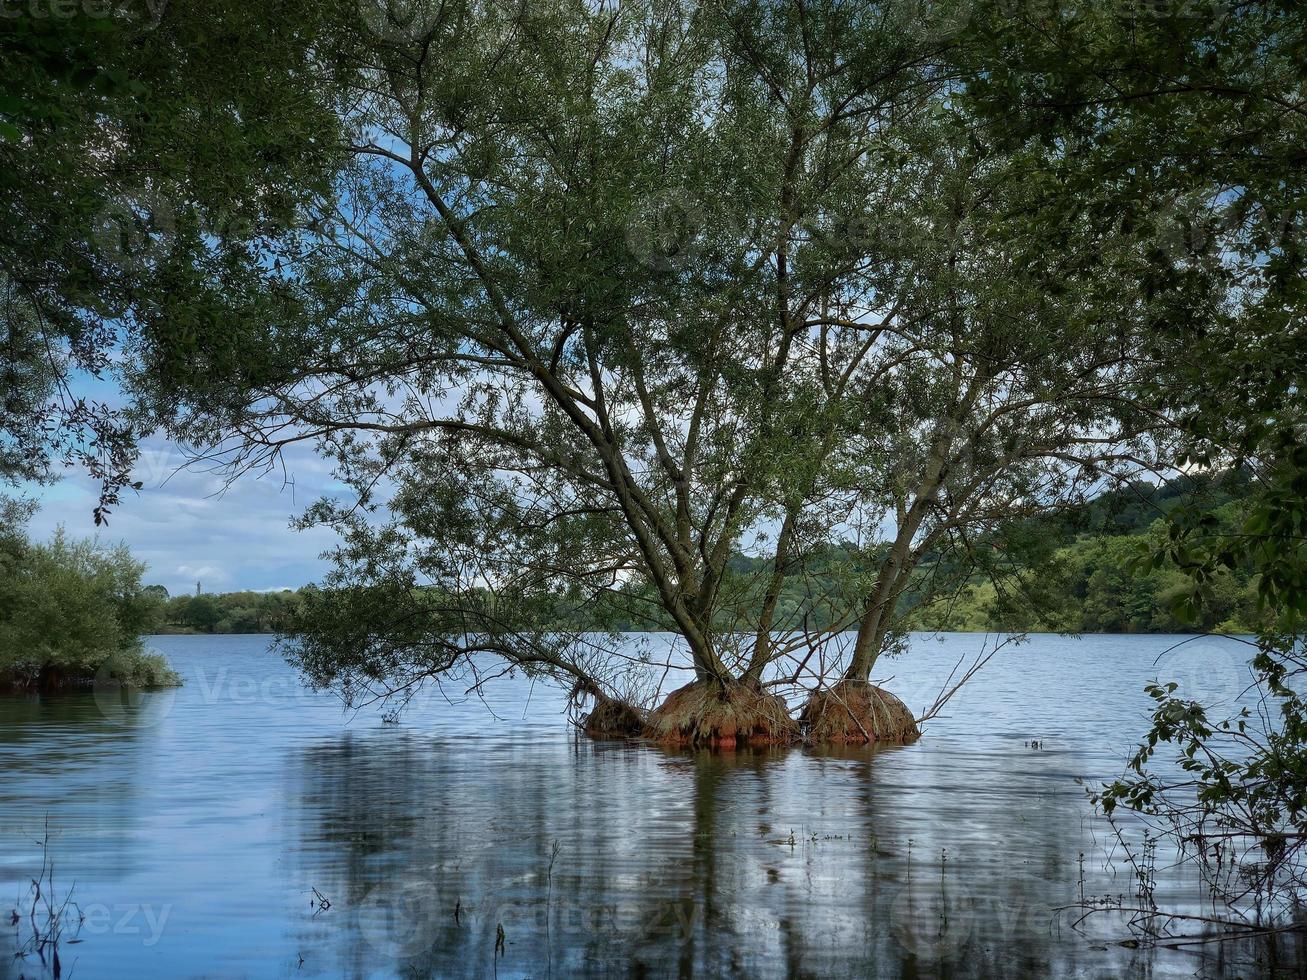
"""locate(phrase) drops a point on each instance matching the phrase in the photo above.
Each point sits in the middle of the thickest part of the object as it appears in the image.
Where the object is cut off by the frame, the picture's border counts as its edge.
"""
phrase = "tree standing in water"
(608, 296)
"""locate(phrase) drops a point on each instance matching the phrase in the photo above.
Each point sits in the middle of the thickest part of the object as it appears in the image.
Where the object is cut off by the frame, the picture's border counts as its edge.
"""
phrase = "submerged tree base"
(44, 679)
(722, 716)
(133, 669)
(857, 712)
(613, 719)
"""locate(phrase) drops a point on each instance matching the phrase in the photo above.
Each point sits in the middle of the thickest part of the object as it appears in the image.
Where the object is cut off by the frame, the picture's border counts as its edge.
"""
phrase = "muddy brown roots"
(610, 718)
(722, 716)
(855, 712)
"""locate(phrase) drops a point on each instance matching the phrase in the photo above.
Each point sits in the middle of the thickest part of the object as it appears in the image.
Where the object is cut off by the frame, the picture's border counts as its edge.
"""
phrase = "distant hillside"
(1087, 575)
(1076, 571)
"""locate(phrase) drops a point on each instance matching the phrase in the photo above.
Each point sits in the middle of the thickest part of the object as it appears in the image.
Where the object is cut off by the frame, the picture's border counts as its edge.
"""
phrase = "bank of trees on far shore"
(226, 612)
(1095, 585)
(1088, 575)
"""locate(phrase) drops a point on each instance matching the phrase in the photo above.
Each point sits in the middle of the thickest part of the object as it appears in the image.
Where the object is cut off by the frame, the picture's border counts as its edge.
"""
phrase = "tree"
(606, 296)
(202, 613)
(566, 256)
(137, 158)
(72, 612)
(1189, 126)
(965, 378)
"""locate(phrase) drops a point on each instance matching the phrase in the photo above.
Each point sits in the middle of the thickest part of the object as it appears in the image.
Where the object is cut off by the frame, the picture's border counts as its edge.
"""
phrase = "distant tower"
(197, 588)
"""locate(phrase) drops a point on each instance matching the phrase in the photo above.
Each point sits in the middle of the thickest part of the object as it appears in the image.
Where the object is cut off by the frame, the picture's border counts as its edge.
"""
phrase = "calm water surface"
(195, 826)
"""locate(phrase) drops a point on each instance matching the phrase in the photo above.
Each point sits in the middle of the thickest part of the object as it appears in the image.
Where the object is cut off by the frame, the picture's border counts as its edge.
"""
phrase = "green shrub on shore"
(140, 669)
(72, 611)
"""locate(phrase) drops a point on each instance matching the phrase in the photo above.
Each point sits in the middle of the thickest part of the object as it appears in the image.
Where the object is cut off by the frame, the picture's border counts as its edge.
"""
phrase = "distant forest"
(1085, 570)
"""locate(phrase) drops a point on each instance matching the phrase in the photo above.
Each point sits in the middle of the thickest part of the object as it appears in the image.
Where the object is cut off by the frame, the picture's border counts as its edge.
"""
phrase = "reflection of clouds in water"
(67, 766)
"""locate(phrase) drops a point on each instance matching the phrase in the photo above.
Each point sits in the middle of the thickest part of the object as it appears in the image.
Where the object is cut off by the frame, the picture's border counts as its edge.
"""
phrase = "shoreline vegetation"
(1227, 629)
(73, 615)
(1078, 572)
(78, 612)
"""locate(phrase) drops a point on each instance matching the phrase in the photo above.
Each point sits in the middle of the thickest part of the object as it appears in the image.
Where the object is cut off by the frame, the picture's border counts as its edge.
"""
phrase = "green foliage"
(229, 612)
(598, 298)
(1092, 568)
(1188, 129)
(584, 301)
(1245, 767)
(1100, 588)
(69, 609)
(1094, 571)
(140, 158)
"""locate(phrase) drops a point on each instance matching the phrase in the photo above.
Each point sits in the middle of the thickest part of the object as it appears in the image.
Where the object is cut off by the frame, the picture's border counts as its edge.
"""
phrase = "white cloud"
(213, 574)
(187, 525)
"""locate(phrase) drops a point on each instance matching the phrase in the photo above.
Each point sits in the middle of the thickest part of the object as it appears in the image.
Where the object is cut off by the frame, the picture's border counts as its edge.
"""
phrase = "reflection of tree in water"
(412, 831)
(63, 759)
(684, 864)
(949, 874)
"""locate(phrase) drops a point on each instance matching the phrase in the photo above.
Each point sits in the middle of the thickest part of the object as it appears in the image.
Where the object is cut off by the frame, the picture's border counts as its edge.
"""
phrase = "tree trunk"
(708, 665)
(761, 656)
(894, 574)
(879, 614)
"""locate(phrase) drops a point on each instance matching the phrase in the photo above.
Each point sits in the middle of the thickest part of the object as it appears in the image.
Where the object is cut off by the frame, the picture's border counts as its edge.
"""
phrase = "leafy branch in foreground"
(1239, 802)
(1189, 126)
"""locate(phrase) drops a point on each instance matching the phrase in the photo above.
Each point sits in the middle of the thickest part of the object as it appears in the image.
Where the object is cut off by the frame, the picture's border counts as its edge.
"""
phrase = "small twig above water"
(321, 902)
(47, 917)
(950, 687)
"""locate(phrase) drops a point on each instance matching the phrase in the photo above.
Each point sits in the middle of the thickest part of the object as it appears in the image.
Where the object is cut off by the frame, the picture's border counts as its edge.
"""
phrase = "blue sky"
(187, 527)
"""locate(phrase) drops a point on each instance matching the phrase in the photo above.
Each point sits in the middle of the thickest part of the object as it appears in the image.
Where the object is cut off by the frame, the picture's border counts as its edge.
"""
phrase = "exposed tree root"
(613, 719)
(855, 711)
(722, 716)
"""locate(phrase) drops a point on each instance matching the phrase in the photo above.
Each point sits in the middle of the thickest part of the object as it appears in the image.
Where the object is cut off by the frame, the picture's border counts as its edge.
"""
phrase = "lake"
(205, 830)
